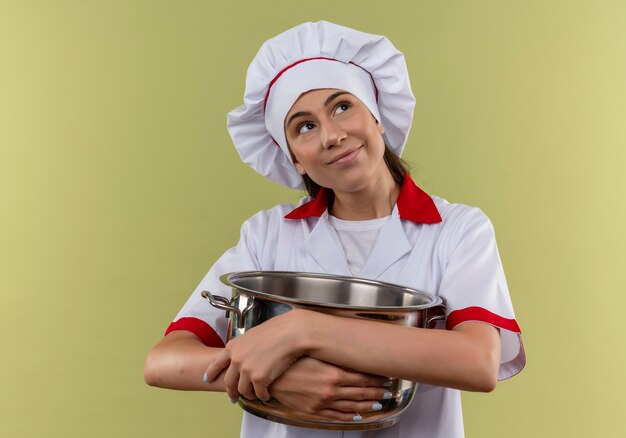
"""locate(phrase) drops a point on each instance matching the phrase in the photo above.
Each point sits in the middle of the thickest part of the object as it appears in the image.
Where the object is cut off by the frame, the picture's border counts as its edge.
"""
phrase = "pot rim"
(226, 279)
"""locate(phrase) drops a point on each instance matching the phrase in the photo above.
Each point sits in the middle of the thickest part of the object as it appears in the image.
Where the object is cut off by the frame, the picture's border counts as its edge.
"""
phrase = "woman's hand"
(258, 357)
(326, 391)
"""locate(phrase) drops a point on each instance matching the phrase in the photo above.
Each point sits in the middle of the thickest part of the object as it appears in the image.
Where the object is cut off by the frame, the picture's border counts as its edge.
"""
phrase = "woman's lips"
(348, 157)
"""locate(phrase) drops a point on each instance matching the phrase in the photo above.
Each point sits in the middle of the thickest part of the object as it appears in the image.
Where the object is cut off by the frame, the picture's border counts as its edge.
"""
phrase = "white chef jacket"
(428, 244)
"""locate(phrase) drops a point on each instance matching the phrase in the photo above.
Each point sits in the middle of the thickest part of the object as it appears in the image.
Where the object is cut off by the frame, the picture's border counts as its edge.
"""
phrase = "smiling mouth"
(346, 157)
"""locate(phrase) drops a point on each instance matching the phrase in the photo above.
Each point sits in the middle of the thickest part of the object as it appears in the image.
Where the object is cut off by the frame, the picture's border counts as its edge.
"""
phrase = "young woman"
(330, 108)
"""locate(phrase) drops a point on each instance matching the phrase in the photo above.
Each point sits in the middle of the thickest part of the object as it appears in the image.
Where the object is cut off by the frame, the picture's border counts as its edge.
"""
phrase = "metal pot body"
(260, 295)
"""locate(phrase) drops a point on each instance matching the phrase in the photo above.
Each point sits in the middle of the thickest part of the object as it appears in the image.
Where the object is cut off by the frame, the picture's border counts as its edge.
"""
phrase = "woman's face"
(335, 139)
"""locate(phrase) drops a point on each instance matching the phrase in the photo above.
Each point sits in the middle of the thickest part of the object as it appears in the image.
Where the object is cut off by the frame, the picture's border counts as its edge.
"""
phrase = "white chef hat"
(313, 56)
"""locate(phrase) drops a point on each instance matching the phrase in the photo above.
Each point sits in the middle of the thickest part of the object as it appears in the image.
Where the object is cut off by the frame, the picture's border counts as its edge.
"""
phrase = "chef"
(328, 108)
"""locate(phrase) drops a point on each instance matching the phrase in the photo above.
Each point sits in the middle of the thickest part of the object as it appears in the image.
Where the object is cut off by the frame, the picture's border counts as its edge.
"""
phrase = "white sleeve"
(197, 315)
(474, 286)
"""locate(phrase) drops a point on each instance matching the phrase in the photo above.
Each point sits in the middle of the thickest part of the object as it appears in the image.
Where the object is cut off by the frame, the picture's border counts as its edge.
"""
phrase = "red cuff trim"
(479, 314)
(199, 328)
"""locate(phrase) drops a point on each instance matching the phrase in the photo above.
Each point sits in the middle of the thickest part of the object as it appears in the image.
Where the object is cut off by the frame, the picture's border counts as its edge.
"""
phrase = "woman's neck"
(374, 201)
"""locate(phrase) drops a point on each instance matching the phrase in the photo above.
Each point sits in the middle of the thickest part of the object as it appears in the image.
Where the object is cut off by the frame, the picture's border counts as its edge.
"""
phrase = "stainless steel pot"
(260, 295)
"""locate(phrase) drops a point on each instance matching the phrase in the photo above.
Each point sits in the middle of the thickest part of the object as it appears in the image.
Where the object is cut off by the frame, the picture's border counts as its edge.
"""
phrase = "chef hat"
(313, 56)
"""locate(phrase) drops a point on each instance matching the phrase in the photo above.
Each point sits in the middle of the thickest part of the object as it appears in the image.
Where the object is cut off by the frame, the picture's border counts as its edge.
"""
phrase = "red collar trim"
(416, 205)
(413, 204)
(315, 207)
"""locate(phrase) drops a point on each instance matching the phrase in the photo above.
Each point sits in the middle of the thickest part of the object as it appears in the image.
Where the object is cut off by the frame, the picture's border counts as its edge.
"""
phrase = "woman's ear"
(299, 168)
(295, 162)
(380, 127)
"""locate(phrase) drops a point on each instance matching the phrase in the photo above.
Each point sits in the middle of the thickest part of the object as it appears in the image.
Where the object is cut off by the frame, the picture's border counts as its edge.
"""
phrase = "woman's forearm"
(466, 358)
(178, 361)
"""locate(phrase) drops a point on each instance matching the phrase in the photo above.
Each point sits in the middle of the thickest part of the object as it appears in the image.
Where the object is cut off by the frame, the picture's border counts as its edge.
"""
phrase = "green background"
(119, 187)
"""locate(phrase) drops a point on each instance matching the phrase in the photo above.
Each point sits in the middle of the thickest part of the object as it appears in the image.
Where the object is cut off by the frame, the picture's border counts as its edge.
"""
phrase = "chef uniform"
(427, 243)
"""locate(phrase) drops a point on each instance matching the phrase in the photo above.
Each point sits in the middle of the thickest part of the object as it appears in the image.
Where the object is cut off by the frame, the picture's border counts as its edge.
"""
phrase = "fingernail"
(377, 406)
(205, 377)
(387, 383)
(357, 418)
(233, 400)
(387, 395)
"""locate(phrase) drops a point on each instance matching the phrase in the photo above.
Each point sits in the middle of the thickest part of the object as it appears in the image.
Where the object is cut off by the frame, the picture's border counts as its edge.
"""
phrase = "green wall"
(119, 187)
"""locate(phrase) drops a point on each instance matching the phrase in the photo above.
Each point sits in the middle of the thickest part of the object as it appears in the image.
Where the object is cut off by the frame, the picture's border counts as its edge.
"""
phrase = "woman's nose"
(332, 134)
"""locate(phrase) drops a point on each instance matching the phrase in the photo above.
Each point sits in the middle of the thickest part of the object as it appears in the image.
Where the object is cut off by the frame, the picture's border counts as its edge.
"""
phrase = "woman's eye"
(343, 106)
(304, 128)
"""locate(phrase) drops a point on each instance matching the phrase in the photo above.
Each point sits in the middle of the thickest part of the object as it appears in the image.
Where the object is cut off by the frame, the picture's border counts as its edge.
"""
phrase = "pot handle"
(220, 302)
(434, 314)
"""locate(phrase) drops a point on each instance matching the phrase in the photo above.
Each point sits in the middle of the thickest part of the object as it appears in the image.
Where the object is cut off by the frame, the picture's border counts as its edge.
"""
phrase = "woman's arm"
(316, 388)
(178, 361)
(466, 358)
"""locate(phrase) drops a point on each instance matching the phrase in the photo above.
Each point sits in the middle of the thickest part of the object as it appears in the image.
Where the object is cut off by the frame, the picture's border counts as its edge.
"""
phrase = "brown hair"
(396, 165)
